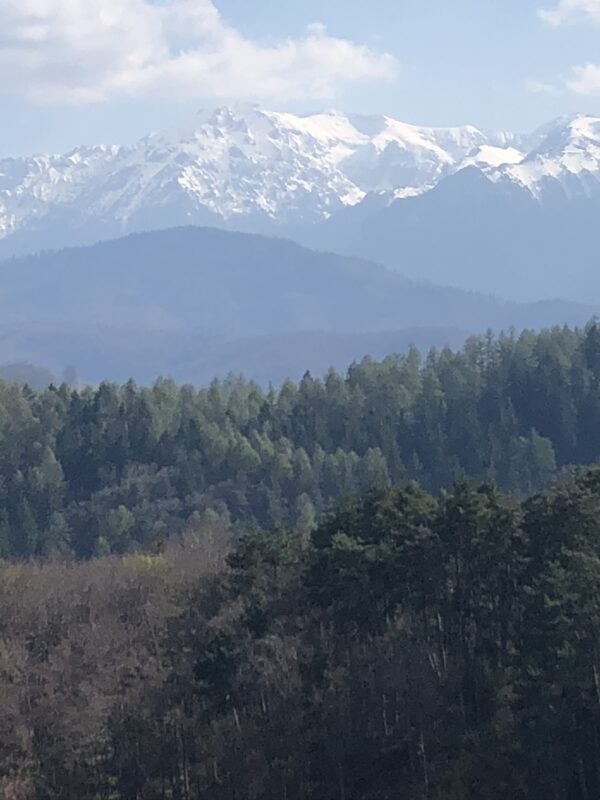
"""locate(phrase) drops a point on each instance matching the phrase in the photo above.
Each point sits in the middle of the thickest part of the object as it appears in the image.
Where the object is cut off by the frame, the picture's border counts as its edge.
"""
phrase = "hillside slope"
(193, 302)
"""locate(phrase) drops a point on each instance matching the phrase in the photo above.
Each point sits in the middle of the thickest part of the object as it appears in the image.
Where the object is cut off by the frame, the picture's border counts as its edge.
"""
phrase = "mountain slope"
(521, 230)
(477, 234)
(194, 302)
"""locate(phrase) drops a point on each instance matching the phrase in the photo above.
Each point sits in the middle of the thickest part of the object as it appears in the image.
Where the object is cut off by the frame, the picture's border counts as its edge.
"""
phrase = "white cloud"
(585, 80)
(570, 10)
(86, 51)
(540, 87)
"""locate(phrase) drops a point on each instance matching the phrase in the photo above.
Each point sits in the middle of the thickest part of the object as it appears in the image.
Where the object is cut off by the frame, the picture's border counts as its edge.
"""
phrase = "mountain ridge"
(193, 302)
(240, 166)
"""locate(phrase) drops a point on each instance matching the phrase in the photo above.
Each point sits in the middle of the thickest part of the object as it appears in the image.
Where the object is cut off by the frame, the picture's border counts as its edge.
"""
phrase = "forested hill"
(414, 647)
(203, 279)
(111, 469)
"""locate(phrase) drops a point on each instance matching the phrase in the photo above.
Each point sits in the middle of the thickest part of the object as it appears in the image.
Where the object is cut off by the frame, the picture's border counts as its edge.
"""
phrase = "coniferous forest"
(384, 584)
(107, 470)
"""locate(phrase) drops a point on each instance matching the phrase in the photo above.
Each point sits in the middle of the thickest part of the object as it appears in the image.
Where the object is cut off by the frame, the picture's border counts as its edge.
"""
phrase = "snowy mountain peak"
(244, 166)
(567, 159)
(571, 133)
(232, 162)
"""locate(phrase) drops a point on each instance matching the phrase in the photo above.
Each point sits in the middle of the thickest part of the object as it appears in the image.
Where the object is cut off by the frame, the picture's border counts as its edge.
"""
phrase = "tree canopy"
(111, 469)
(417, 646)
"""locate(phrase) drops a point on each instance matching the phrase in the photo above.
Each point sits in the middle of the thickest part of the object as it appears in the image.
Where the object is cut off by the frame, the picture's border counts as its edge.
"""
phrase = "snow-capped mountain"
(266, 171)
(567, 159)
(239, 165)
(519, 223)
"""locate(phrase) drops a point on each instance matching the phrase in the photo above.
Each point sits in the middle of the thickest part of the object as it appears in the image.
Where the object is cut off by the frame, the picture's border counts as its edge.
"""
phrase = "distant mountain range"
(240, 166)
(196, 303)
(490, 211)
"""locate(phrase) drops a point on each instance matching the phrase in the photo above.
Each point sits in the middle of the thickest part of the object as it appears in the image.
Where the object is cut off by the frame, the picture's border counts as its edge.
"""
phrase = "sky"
(78, 72)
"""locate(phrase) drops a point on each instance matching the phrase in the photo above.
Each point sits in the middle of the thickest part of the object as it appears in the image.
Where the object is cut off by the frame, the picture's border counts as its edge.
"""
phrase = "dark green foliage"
(415, 647)
(433, 637)
(113, 469)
